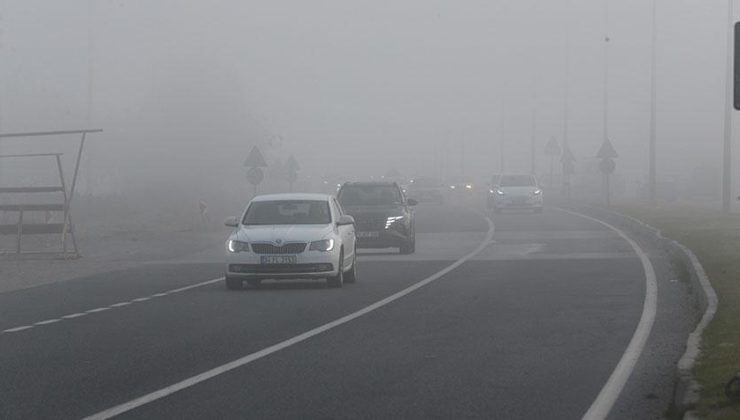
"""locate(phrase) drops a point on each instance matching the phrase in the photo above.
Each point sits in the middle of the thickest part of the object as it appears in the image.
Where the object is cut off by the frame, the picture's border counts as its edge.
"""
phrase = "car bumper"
(518, 203)
(309, 265)
(384, 239)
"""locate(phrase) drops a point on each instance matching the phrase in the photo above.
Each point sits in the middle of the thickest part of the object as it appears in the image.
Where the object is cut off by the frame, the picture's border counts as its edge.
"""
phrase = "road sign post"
(569, 167)
(255, 162)
(552, 149)
(292, 168)
(607, 154)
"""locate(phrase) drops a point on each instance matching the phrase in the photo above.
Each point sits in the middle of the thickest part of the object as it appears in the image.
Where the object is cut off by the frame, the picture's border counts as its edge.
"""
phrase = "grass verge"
(715, 239)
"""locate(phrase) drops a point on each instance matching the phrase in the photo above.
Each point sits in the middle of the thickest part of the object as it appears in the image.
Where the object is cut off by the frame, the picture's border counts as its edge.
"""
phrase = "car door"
(347, 233)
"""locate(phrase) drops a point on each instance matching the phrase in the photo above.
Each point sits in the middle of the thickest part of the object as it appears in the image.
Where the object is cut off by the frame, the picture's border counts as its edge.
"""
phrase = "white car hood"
(518, 191)
(284, 233)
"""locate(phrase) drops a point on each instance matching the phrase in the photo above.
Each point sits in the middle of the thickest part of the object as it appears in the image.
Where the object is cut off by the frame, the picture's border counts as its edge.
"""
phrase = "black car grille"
(293, 248)
(280, 268)
(369, 222)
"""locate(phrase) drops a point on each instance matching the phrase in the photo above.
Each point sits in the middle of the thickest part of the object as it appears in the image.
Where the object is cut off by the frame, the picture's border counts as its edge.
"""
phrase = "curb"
(686, 393)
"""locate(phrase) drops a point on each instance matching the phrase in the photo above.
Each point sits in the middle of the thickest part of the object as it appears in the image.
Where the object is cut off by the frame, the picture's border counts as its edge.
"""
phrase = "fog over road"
(532, 326)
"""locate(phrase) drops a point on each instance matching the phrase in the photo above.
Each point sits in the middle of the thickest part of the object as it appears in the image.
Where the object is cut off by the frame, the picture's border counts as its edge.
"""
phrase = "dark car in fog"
(426, 190)
(382, 213)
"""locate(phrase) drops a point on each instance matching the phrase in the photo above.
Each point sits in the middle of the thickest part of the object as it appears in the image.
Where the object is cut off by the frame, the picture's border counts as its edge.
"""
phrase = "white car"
(517, 192)
(291, 236)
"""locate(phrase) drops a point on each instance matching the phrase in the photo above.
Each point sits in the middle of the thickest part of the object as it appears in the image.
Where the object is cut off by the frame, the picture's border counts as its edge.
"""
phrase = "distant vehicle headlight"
(391, 220)
(468, 186)
(237, 246)
(324, 245)
(499, 192)
(452, 187)
(537, 192)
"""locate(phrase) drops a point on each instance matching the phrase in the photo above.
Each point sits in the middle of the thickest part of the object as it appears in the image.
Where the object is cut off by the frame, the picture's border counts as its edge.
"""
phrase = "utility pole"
(652, 171)
(90, 87)
(533, 145)
(566, 109)
(727, 149)
(607, 185)
(502, 146)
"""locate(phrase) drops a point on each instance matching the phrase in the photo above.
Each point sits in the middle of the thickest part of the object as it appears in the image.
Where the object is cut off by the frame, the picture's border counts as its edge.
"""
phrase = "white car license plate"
(278, 259)
(368, 234)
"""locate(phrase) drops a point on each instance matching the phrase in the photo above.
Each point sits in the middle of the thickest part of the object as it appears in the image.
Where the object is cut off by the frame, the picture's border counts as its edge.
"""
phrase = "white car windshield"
(288, 212)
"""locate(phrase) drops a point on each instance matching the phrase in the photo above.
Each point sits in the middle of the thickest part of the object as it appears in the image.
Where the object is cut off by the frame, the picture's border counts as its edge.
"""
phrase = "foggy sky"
(355, 87)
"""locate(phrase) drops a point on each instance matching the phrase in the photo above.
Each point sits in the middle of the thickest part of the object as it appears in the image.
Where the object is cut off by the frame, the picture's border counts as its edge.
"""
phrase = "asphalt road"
(531, 326)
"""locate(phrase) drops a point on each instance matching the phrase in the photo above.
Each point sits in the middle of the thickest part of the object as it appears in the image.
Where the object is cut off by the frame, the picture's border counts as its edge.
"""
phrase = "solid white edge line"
(609, 394)
(194, 380)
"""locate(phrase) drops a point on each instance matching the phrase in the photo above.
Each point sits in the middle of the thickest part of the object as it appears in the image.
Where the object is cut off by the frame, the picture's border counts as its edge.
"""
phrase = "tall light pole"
(652, 171)
(90, 87)
(502, 146)
(566, 95)
(533, 149)
(607, 192)
(727, 145)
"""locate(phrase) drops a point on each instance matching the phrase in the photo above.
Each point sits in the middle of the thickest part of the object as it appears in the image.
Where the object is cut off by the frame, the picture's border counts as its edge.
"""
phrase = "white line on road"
(109, 307)
(604, 402)
(47, 322)
(194, 380)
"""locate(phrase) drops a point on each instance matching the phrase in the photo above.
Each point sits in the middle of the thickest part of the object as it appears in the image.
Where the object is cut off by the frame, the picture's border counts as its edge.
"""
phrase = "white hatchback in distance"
(293, 236)
(517, 191)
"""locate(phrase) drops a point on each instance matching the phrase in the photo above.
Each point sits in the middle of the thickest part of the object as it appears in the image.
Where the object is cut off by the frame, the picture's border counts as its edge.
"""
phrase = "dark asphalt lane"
(530, 328)
(490, 340)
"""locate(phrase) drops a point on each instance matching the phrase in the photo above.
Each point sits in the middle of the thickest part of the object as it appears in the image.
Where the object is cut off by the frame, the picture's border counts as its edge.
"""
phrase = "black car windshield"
(288, 212)
(370, 195)
(517, 181)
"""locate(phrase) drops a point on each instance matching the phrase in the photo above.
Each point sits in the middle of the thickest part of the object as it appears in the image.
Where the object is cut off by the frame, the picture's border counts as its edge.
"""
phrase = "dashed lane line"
(107, 308)
(194, 380)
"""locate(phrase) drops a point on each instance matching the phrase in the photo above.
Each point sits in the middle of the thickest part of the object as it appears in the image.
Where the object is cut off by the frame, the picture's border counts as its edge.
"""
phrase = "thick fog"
(183, 90)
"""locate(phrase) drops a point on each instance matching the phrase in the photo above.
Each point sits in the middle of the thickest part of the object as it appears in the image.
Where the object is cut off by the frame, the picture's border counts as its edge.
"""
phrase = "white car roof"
(292, 196)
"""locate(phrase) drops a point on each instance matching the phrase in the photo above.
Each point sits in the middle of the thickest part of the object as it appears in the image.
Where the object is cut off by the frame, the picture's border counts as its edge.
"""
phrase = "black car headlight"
(324, 245)
(391, 220)
(235, 246)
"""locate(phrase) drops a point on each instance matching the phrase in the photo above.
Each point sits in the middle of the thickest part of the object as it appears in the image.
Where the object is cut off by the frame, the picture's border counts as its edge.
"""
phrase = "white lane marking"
(109, 307)
(16, 329)
(194, 380)
(47, 322)
(604, 402)
(96, 310)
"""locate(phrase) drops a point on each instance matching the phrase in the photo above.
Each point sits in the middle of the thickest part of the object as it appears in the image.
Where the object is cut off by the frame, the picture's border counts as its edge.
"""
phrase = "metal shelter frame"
(66, 228)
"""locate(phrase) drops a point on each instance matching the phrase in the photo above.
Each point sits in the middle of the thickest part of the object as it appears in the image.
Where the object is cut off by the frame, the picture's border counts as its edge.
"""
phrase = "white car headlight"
(324, 245)
(499, 192)
(391, 220)
(537, 192)
(237, 246)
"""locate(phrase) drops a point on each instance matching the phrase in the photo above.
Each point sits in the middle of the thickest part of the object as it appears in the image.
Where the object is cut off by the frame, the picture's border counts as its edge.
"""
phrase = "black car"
(382, 213)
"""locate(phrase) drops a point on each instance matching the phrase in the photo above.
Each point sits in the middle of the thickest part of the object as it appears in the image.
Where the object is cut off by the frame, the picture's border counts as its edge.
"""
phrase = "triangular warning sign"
(292, 164)
(607, 151)
(255, 159)
(552, 148)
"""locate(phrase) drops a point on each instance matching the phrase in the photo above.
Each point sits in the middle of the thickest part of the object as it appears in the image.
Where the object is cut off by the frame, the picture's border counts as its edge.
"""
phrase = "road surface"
(531, 325)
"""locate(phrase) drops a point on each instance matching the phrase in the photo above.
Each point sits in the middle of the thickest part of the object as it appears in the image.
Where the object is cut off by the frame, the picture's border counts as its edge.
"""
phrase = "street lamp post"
(607, 192)
(652, 171)
(727, 144)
